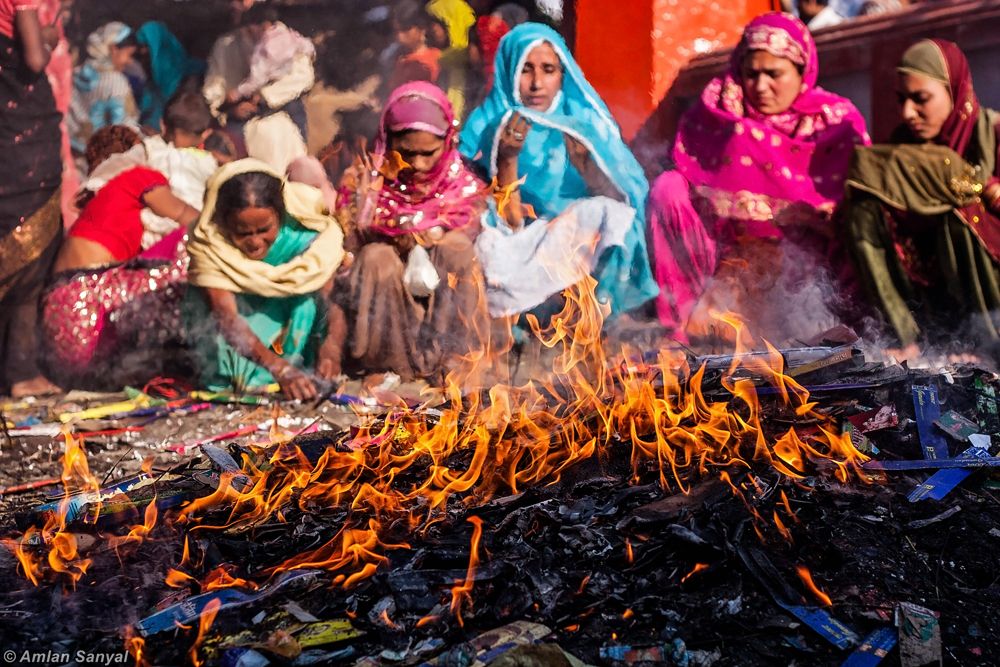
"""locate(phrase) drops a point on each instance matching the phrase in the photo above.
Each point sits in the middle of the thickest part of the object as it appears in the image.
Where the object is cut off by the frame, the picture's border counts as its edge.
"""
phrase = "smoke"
(783, 291)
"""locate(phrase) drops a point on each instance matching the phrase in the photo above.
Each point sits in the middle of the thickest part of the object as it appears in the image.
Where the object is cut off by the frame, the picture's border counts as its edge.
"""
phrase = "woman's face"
(541, 78)
(421, 150)
(925, 104)
(121, 56)
(253, 230)
(770, 83)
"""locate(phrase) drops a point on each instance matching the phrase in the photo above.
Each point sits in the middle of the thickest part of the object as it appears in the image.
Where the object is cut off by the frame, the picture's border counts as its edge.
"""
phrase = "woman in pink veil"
(761, 159)
(413, 299)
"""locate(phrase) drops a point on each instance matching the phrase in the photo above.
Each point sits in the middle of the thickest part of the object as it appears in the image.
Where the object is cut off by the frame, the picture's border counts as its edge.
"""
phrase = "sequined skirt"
(94, 318)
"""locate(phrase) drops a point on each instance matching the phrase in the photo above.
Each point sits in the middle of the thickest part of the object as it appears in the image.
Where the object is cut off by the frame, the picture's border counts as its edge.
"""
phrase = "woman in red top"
(104, 278)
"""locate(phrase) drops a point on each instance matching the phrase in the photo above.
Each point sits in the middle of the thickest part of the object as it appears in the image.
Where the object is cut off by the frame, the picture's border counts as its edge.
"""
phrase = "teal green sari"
(289, 326)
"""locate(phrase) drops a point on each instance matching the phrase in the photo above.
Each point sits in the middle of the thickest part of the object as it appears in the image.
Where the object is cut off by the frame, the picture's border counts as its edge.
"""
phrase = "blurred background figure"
(102, 95)
(818, 14)
(167, 67)
(30, 227)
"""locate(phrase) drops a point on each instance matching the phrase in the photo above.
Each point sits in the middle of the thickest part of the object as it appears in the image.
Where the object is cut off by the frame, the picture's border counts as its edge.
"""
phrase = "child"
(418, 61)
(178, 155)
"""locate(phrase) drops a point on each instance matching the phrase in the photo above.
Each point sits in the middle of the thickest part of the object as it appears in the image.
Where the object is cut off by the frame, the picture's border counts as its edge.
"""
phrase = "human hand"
(295, 384)
(991, 197)
(50, 35)
(244, 110)
(579, 156)
(512, 138)
(328, 359)
(369, 184)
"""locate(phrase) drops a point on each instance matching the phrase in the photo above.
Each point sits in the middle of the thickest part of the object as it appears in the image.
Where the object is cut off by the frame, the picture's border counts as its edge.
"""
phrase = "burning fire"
(698, 567)
(136, 647)
(63, 556)
(399, 475)
(478, 448)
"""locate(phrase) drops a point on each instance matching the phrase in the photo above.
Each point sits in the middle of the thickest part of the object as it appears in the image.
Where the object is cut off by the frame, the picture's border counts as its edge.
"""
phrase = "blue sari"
(625, 280)
(169, 65)
(289, 325)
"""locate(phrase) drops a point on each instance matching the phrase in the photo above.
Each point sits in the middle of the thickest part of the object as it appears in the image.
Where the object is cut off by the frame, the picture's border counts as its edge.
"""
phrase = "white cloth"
(187, 170)
(274, 57)
(526, 267)
(276, 140)
(827, 18)
(229, 66)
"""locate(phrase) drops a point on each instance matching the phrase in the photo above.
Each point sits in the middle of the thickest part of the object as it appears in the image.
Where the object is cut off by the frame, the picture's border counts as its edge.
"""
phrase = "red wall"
(632, 50)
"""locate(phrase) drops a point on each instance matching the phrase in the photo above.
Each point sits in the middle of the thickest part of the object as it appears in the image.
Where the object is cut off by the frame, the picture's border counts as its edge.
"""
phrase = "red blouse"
(8, 8)
(112, 219)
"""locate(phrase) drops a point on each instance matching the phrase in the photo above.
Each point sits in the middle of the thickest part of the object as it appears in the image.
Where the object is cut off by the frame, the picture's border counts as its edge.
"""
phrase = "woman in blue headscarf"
(570, 195)
(167, 64)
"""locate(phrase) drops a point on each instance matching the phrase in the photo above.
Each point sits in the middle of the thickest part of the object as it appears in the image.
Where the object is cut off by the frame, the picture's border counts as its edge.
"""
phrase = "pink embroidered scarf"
(449, 196)
(724, 145)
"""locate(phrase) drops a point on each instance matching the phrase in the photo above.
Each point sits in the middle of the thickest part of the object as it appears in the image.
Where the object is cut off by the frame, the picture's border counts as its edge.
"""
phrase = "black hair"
(129, 40)
(259, 12)
(253, 189)
(187, 110)
(219, 142)
(411, 14)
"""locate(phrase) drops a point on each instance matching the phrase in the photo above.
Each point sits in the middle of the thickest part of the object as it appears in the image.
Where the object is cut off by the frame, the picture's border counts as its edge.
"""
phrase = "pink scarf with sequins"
(450, 195)
(724, 145)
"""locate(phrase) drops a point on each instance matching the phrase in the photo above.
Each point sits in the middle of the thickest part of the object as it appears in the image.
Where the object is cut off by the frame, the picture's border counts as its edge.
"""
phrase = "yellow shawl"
(216, 263)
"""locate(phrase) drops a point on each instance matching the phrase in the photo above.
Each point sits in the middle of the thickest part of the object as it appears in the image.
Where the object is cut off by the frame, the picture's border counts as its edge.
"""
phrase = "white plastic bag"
(420, 277)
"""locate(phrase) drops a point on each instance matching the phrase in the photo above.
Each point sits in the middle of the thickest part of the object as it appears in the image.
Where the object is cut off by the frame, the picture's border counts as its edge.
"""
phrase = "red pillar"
(631, 50)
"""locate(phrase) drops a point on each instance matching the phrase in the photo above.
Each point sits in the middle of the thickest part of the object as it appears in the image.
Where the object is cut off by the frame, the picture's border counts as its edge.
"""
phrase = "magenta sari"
(92, 316)
(742, 174)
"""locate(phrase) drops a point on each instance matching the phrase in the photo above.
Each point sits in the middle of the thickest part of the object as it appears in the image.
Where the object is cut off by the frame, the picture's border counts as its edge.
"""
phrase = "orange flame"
(698, 567)
(205, 622)
(63, 556)
(515, 437)
(788, 507)
(462, 592)
(221, 578)
(136, 647)
(785, 533)
(178, 579)
(807, 579)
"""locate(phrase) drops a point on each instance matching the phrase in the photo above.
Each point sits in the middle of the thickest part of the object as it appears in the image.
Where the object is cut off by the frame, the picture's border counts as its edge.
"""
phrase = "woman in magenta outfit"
(762, 157)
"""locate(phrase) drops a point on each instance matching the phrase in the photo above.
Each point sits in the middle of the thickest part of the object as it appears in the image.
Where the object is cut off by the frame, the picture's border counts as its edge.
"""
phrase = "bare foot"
(36, 386)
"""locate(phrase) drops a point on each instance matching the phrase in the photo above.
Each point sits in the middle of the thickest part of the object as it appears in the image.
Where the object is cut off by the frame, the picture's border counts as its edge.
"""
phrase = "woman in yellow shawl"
(263, 256)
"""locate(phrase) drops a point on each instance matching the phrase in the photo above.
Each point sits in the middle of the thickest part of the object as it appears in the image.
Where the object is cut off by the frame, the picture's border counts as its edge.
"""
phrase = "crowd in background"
(162, 214)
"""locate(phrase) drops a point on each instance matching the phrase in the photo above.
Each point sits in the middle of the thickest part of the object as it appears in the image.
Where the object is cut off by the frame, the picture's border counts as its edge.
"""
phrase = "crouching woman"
(263, 256)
